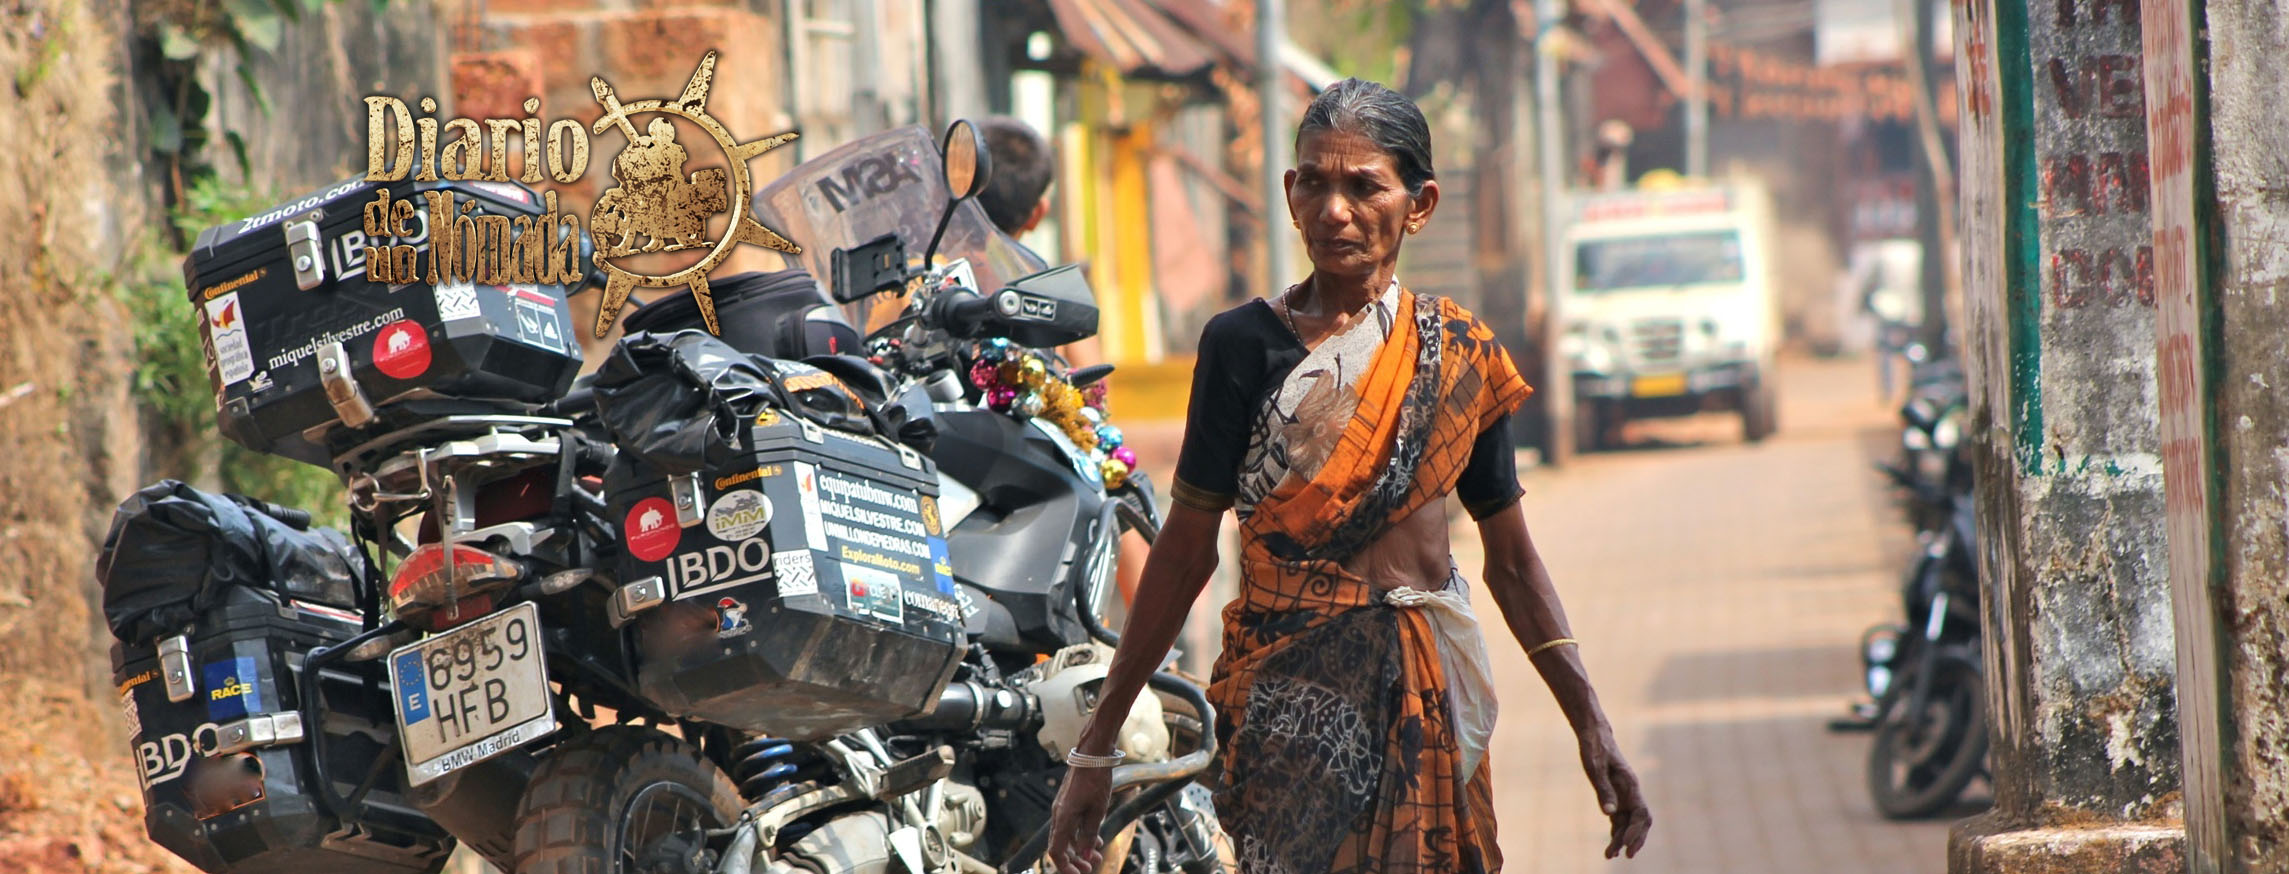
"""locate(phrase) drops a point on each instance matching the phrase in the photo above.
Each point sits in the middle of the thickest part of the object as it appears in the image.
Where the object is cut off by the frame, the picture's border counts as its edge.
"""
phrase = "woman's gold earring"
(1414, 227)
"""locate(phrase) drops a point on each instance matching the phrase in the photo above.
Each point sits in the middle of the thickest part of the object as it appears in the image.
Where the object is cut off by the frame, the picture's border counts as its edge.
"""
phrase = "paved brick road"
(1719, 590)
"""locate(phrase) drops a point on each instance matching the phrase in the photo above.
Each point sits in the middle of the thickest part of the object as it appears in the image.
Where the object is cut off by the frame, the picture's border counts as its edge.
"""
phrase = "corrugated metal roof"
(1172, 39)
(1132, 36)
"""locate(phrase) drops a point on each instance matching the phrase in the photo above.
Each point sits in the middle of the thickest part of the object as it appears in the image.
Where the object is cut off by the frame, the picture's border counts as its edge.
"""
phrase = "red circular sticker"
(401, 349)
(651, 529)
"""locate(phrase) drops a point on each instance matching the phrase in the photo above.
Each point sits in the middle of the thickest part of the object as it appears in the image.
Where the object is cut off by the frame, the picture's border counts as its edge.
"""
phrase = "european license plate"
(1658, 386)
(471, 693)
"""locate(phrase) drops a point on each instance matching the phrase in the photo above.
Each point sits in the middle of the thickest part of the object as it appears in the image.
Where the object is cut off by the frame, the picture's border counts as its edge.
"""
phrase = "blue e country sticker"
(232, 689)
(412, 687)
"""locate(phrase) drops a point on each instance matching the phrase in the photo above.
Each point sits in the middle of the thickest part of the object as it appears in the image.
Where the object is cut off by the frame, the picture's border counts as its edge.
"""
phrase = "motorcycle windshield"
(888, 183)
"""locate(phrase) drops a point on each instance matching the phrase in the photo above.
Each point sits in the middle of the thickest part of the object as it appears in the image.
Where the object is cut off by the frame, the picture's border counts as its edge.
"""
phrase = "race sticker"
(401, 350)
(231, 689)
(458, 301)
(134, 715)
(651, 529)
(226, 324)
(739, 514)
(873, 593)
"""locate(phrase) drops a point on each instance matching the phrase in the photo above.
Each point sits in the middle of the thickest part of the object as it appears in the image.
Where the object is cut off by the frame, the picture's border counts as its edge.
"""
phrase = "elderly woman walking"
(1334, 418)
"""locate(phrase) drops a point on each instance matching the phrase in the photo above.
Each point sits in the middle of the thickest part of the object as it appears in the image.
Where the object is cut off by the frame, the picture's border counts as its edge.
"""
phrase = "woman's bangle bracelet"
(1552, 644)
(1078, 759)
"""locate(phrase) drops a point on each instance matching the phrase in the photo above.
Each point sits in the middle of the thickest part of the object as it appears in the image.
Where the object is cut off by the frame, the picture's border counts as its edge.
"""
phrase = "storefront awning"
(1132, 37)
(1173, 39)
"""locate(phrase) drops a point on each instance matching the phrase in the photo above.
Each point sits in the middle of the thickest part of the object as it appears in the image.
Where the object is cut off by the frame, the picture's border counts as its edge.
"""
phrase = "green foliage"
(183, 35)
(1358, 38)
(171, 382)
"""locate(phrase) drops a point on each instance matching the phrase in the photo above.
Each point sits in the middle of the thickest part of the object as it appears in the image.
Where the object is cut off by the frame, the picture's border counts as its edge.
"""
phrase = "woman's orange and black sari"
(1339, 746)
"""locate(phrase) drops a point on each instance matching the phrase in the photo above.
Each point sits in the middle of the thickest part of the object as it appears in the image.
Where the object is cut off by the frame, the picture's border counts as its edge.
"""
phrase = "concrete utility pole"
(1271, 31)
(2080, 664)
(1697, 103)
(1557, 387)
(1933, 218)
(2215, 170)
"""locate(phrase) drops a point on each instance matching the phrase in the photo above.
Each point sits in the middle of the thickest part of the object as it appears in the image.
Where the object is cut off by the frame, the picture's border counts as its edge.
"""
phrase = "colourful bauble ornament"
(983, 375)
(1092, 415)
(994, 350)
(1032, 372)
(1000, 397)
(1029, 404)
(1114, 472)
(1095, 395)
(1125, 456)
(1109, 436)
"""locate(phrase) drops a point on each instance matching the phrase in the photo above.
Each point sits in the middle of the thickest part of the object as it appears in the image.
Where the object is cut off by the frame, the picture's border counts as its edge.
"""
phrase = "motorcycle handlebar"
(962, 313)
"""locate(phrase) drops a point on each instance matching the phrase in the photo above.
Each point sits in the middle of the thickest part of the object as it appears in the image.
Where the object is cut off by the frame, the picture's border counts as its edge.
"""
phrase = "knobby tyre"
(616, 799)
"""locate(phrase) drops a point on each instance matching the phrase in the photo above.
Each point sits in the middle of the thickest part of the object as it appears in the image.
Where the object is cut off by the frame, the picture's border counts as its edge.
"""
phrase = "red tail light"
(425, 594)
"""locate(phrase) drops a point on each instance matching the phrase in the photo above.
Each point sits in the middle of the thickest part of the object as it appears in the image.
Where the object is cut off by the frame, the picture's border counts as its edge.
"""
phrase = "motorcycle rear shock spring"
(762, 764)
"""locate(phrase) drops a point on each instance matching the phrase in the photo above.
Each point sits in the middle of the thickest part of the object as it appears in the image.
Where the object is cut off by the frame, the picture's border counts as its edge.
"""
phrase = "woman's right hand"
(1074, 847)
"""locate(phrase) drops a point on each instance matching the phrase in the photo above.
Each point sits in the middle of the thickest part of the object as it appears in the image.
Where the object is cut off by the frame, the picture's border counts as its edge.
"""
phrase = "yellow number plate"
(1658, 386)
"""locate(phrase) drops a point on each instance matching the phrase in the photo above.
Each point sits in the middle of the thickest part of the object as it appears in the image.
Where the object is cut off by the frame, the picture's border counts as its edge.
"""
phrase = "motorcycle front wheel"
(620, 800)
(1919, 763)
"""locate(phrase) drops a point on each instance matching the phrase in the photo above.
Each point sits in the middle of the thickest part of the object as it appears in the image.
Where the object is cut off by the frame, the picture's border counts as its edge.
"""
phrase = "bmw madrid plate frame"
(471, 693)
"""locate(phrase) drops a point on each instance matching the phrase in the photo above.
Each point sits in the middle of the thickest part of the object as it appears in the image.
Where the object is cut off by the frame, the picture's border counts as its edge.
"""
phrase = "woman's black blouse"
(1247, 351)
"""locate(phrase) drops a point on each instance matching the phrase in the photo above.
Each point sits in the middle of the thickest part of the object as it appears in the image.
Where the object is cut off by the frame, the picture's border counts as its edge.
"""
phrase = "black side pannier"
(217, 601)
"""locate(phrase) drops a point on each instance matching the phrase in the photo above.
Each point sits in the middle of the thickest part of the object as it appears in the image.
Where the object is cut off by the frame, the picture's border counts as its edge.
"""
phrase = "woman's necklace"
(1287, 312)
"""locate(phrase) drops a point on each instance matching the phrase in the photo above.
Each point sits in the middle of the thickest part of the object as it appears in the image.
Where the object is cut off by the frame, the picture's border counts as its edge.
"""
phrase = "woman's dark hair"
(1385, 117)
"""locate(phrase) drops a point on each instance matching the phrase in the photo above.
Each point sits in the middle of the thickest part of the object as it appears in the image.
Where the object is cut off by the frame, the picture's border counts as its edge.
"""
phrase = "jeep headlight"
(1585, 351)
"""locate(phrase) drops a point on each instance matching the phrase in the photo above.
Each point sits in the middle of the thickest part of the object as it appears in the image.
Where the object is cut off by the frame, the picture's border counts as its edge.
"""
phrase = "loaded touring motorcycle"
(787, 599)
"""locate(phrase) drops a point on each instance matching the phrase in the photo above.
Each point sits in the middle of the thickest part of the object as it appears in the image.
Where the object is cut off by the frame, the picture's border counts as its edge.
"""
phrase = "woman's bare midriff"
(1411, 553)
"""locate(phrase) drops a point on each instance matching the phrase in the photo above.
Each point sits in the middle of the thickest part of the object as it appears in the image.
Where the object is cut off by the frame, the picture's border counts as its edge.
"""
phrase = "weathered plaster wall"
(2058, 286)
(2236, 370)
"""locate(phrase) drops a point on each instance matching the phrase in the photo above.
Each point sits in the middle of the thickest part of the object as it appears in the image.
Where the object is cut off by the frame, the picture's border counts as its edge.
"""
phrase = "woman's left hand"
(1619, 794)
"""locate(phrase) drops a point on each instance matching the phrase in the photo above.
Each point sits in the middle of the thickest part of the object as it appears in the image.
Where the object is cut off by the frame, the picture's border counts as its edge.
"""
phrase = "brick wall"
(508, 50)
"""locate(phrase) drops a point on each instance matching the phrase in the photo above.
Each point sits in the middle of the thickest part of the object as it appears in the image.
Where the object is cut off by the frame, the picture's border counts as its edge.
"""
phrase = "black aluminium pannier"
(217, 603)
(782, 576)
(274, 292)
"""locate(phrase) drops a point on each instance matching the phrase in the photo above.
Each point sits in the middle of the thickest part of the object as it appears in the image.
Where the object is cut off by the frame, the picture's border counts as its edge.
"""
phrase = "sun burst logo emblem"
(655, 206)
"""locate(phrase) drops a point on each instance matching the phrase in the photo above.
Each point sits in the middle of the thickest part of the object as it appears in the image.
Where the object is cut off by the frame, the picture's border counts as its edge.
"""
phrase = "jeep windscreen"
(1673, 261)
(882, 184)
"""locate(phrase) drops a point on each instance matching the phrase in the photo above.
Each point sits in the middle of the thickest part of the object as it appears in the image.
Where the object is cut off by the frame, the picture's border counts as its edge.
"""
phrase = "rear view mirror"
(967, 167)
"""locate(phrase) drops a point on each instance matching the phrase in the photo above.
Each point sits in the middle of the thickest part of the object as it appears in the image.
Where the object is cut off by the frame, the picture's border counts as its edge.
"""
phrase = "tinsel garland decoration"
(1019, 382)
